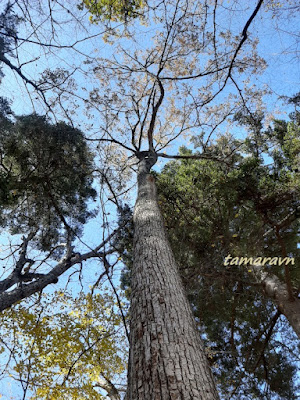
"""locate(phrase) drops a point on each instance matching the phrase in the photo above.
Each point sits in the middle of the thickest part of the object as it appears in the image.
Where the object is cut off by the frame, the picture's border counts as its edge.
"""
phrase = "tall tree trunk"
(167, 360)
(278, 292)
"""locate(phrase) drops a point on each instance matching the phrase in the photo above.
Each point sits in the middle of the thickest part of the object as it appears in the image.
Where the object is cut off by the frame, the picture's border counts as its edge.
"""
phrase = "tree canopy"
(112, 10)
(46, 179)
(65, 345)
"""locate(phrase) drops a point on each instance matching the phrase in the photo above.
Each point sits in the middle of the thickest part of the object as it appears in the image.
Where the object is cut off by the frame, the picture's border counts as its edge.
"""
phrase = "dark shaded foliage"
(45, 178)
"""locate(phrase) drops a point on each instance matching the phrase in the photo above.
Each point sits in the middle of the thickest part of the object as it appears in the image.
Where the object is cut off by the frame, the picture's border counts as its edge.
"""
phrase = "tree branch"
(28, 81)
(154, 114)
(16, 276)
(109, 387)
(24, 290)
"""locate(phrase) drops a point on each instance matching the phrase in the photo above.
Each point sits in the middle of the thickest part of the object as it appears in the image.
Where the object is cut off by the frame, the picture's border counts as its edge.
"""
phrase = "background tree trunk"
(167, 359)
(278, 292)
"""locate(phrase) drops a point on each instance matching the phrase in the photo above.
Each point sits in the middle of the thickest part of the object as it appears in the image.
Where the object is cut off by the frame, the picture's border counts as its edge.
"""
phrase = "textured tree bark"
(167, 359)
(278, 292)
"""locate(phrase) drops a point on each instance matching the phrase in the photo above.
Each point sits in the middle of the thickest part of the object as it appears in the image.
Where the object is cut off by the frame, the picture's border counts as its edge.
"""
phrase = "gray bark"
(167, 359)
(278, 292)
(109, 387)
(29, 283)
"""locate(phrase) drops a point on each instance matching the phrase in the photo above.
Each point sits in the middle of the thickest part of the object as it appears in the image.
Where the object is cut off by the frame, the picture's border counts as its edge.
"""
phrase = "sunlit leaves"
(113, 10)
(63, 344)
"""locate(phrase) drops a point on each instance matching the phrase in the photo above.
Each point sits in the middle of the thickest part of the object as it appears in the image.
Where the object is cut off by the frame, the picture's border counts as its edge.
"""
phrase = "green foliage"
(113, 10)
(46, 179)
(62, 345)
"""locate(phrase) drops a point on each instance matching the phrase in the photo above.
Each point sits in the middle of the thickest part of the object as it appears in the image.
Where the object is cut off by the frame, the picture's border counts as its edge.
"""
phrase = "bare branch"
(26, 80)
(154, 114)
(107, 268)
(24, 289)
